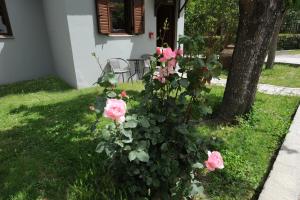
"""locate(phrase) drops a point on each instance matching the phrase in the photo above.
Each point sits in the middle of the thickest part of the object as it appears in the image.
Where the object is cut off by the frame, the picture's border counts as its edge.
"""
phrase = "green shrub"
(154, 152)
(288, 41)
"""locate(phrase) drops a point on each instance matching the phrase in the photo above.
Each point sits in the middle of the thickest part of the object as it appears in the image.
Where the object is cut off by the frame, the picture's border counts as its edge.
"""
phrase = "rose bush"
(152, 148)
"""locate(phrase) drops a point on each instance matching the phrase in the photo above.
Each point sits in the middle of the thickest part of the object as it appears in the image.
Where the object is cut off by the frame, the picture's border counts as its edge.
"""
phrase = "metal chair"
(120, 66)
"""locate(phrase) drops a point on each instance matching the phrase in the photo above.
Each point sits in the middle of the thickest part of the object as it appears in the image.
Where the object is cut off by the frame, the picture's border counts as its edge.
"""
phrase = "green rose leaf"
(160, 118)
(143, 156)
(130, 124)
(156, 129)
(196, 190)
(111, 94)
(120, 143)
(184, 82)
(100, 147)
(145, 123)
(198, 165)
(132, 155)
(206, 110)
(127, 133)
(182, 129)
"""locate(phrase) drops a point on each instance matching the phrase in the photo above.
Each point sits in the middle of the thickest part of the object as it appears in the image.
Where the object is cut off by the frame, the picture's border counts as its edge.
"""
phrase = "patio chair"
(120, 66)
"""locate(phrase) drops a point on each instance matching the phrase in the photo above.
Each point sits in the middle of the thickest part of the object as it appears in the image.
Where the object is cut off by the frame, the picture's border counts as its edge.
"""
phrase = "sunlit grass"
(48, 152)
(280, 75)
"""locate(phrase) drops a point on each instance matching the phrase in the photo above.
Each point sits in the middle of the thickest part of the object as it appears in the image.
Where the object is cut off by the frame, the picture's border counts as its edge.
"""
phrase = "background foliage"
(217, 21)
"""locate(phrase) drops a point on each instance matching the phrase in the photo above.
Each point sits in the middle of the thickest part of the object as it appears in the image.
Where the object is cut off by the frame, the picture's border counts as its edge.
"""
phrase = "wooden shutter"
(138, 17)
(103, 18)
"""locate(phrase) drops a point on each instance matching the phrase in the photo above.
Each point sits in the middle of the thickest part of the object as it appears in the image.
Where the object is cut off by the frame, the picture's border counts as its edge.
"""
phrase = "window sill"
(120, 35)
(7, 37)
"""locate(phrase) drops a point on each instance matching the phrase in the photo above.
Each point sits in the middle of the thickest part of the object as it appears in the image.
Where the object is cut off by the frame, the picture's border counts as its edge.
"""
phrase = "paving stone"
(266, 88)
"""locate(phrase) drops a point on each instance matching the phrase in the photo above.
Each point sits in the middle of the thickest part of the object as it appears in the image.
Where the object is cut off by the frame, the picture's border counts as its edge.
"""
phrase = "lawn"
(47, 150)
(294, 52)
(283, 75)
(280, 75)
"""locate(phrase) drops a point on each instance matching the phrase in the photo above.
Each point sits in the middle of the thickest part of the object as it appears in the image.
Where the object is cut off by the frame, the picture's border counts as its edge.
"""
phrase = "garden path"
(266, 88)
(287, 58)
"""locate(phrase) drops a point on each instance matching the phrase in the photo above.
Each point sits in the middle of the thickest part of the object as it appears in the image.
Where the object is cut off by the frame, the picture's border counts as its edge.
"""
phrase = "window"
(5, 28)
(120, 16)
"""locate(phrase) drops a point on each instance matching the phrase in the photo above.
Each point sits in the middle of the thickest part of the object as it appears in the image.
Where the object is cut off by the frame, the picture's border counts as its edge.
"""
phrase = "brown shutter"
(138, 17)
(103, 16)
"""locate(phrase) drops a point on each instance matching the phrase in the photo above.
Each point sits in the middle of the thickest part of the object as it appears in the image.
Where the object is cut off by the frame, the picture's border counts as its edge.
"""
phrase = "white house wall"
(63, 34)
(180, 23)
(27, 55)
(85, 39)
(58, 28)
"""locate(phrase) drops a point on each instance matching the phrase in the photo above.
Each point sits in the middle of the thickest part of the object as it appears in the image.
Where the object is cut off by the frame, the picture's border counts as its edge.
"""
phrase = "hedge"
(288, 41)
(285, 42)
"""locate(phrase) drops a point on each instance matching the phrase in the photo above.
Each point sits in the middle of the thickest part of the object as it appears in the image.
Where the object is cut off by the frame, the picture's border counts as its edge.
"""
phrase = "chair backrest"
(118, 64)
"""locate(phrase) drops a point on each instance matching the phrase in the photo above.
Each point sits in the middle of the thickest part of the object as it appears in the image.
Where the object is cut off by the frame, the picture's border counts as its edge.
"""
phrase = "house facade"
(57, 37)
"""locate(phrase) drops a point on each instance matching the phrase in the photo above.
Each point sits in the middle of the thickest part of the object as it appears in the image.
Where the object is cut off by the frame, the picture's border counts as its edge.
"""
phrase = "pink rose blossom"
(215, 161)
(124, 94)
(179, 52)
(167, 55)
(160, 76)
(115, 109)
(158, 51)
(172, 66)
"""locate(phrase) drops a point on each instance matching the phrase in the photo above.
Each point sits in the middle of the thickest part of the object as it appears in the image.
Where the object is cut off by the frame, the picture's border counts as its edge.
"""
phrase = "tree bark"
(256, 26)
(273, 45)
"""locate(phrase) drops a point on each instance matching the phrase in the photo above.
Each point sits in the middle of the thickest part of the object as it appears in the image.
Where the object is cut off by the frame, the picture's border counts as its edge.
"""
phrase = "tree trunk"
(273, 45)
(256, 25)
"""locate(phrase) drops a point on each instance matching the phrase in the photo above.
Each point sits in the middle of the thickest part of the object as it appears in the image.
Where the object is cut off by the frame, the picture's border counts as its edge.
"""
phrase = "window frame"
(5, 19)
(134, 18)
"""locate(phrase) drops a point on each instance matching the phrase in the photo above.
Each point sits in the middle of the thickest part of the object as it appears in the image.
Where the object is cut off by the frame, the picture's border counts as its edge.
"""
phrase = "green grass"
(248, 147)
(280, 75)
(294, 52)
(47, 151)
(283, 75)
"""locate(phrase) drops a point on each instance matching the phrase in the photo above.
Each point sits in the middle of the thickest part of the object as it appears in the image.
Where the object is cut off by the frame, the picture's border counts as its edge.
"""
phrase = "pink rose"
(172, 66)
(123, 94)
(158, 51)
(215, 161)
(115, 109)
(160, 76)
(179, 52)
(167, 55)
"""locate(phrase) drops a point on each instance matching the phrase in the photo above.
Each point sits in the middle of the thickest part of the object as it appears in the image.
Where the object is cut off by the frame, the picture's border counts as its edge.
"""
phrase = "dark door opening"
(166, 12)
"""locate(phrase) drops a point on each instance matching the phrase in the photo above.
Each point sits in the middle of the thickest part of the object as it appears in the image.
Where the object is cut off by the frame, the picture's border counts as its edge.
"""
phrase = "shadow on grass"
(51, 155)
(49, 84)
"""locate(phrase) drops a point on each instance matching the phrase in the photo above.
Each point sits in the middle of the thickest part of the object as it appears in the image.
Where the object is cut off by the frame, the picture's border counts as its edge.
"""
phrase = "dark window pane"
(117, 12)
(3, 27)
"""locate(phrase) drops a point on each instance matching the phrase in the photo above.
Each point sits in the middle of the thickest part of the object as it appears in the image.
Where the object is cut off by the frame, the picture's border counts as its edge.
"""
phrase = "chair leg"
(130, 77)
(123, 77)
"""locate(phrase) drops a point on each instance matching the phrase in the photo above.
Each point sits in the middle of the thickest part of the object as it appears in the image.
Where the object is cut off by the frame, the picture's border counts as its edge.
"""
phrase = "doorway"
(166, 12)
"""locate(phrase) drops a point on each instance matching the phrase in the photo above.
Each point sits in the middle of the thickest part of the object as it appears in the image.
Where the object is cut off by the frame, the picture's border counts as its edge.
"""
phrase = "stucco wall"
(85, 39)
(27, 55)
(59, 35)
(180, 23)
